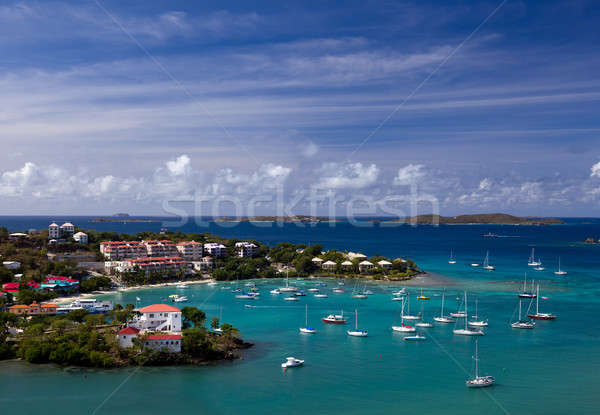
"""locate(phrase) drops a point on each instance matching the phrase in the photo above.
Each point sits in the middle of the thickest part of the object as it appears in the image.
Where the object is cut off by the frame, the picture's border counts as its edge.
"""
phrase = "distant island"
(295, 219)
(478, 219)
(121, 215)
(124, 219)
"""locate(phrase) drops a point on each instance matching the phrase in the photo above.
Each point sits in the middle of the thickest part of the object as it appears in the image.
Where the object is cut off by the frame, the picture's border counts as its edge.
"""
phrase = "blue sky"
(111, 107)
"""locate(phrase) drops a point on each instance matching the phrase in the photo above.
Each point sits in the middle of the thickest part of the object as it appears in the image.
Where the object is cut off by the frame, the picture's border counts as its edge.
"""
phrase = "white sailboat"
(522, 324)
(486, 262)
(479, 381)
(288, 288)
(459, 313)
(527, 292)
(560, 272)
(532, 262)
(409, 316)
(476, 322)
(442, 318)
(356, 332)
(451, 260)
(307, 329)
(423, 323)
(539, 267)
(404, 328)
(467, 331)
(219, 329)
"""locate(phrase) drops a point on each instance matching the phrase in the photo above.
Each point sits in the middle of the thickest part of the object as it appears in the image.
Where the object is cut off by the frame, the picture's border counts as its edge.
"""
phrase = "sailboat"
(442, 318)
(307, 329)
(288, 288)
(539, 267)
(522, 324)
(476, 322)
(526, 293)
(356, 332)
(559, 272)
(459, 313)
(403, 328)
(538, 315)
(486, 262)
(467, 331)
(356, 293)
(425, 324)
(532, 262)
(408, 316)
(422, 297)
(219, 329)
(479, 381)
(451, 260)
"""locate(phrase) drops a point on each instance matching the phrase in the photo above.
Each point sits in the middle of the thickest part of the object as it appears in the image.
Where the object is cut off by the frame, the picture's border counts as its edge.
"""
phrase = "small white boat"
(520, 323)
(458, 314)
(539, 267)
(532, 262)
(474, 264)
(291, 298)
(442, 318)
(466, 331)
(416, 337)
(560, 272)
(451, 260)
(356, 332)
(479, 381)
(359, 296)
(307, 329)
(246, 297)
(313, 290)
(424, 324)
(477, 322)
(181, 286)
(368, 292)
(397, 298)
(338, 290)
(276, 291)
(249, 306)
(212, 283)
(181, 299)
(292, 362)
(321, 296)
(299, 294)
(399, 292)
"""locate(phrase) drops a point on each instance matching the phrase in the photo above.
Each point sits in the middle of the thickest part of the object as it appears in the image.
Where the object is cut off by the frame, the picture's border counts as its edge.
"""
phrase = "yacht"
(275, 291)
(321, 295)
(526, 292)
(532, 262)
(466, 331)
(335, 318)
(292, 362)
(416, 337)
(486, 262)
(409, 316)
(451, 260)
(291, 298)
(560, 272)
(404, 328)
(522, 324)
(338, 290)
(442, 318)
(180, 299)
(474, 264)
(539, 267)
(538, 315)
(288, 288)
(219, 330)
(479, 381)
(307, 329)
(356, 332)
(476, 322)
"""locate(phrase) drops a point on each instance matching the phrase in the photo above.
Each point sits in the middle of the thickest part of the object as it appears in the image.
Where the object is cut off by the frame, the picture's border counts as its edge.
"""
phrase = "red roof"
(129, 330)
(159, 308)
(164, 337)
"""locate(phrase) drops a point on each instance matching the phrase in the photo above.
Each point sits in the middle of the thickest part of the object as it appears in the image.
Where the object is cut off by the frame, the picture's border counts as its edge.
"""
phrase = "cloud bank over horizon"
(124, 106)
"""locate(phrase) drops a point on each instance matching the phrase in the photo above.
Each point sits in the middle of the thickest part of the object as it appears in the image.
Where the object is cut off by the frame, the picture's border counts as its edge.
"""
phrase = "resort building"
(190, 251)
(158, 317)
(11, 264)
(329, 265)
(206, 264)
(384, 264)
(246, 249)
(123, 250)
(215, 249)
(157, 264)
(365, 266)
(347, 264)
(34, 309)
(67, 229)
(53, 231)
(355, 255)
(168, 342)
(162, 248)
(126, 336)
(81, 238)
(317, 261)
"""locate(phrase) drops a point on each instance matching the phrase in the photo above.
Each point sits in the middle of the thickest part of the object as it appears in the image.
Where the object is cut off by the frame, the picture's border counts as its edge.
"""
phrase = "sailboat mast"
(537, 300)
(355, 319)
(519, 309)
(442, 311)
(476, 359)
(466, 312)
(306, 317)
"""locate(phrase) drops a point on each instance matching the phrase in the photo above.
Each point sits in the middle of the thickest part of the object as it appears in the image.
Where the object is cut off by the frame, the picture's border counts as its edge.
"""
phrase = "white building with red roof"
(158, 317)
(126, 336)
(190, 251)
(168, 342)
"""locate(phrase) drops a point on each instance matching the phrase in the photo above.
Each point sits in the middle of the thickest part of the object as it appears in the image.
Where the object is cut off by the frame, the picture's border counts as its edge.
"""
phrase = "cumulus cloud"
(310, 149)
(409, 174)
(595, 170)
(347, 176)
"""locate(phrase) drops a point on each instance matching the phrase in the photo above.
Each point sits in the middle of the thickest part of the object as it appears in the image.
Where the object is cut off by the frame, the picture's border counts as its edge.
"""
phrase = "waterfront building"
(317, 261)
(53, 231)
(215, 249)
(123, 249)
(164, 248)
(365, 266)
(81, 238)
(67, 229)
(384, 264)
(33, 309)
(158, 317)
(190, 251)
(246, 249)
(167, 342)
(126, 336)
(206, 264)
(157, 264)
(347, 264)
(329, 265)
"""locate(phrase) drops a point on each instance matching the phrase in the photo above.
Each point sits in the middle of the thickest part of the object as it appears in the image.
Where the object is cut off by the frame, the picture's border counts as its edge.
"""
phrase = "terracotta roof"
(49, 306)
(129, 330)
(164, 337)
(159, 308)
(18, 306)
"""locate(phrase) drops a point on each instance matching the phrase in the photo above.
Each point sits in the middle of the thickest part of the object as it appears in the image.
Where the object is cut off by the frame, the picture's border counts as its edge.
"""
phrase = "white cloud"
(310, 149)
(409, 174)
(595, 170)
(347, 176)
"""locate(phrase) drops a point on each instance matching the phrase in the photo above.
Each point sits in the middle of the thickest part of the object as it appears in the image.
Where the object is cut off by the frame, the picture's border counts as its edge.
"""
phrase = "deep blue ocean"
(548, 370)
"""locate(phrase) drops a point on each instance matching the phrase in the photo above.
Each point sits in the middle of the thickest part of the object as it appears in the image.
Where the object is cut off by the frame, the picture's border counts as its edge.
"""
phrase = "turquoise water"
(549, 370)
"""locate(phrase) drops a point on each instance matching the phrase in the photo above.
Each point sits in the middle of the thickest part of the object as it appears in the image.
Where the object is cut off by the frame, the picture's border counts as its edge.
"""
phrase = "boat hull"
(542, 316)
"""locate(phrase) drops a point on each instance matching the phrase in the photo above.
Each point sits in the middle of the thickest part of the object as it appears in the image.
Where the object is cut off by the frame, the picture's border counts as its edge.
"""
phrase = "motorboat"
(292, 362)
(334, 319)
(180, 299)
(424, 324)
